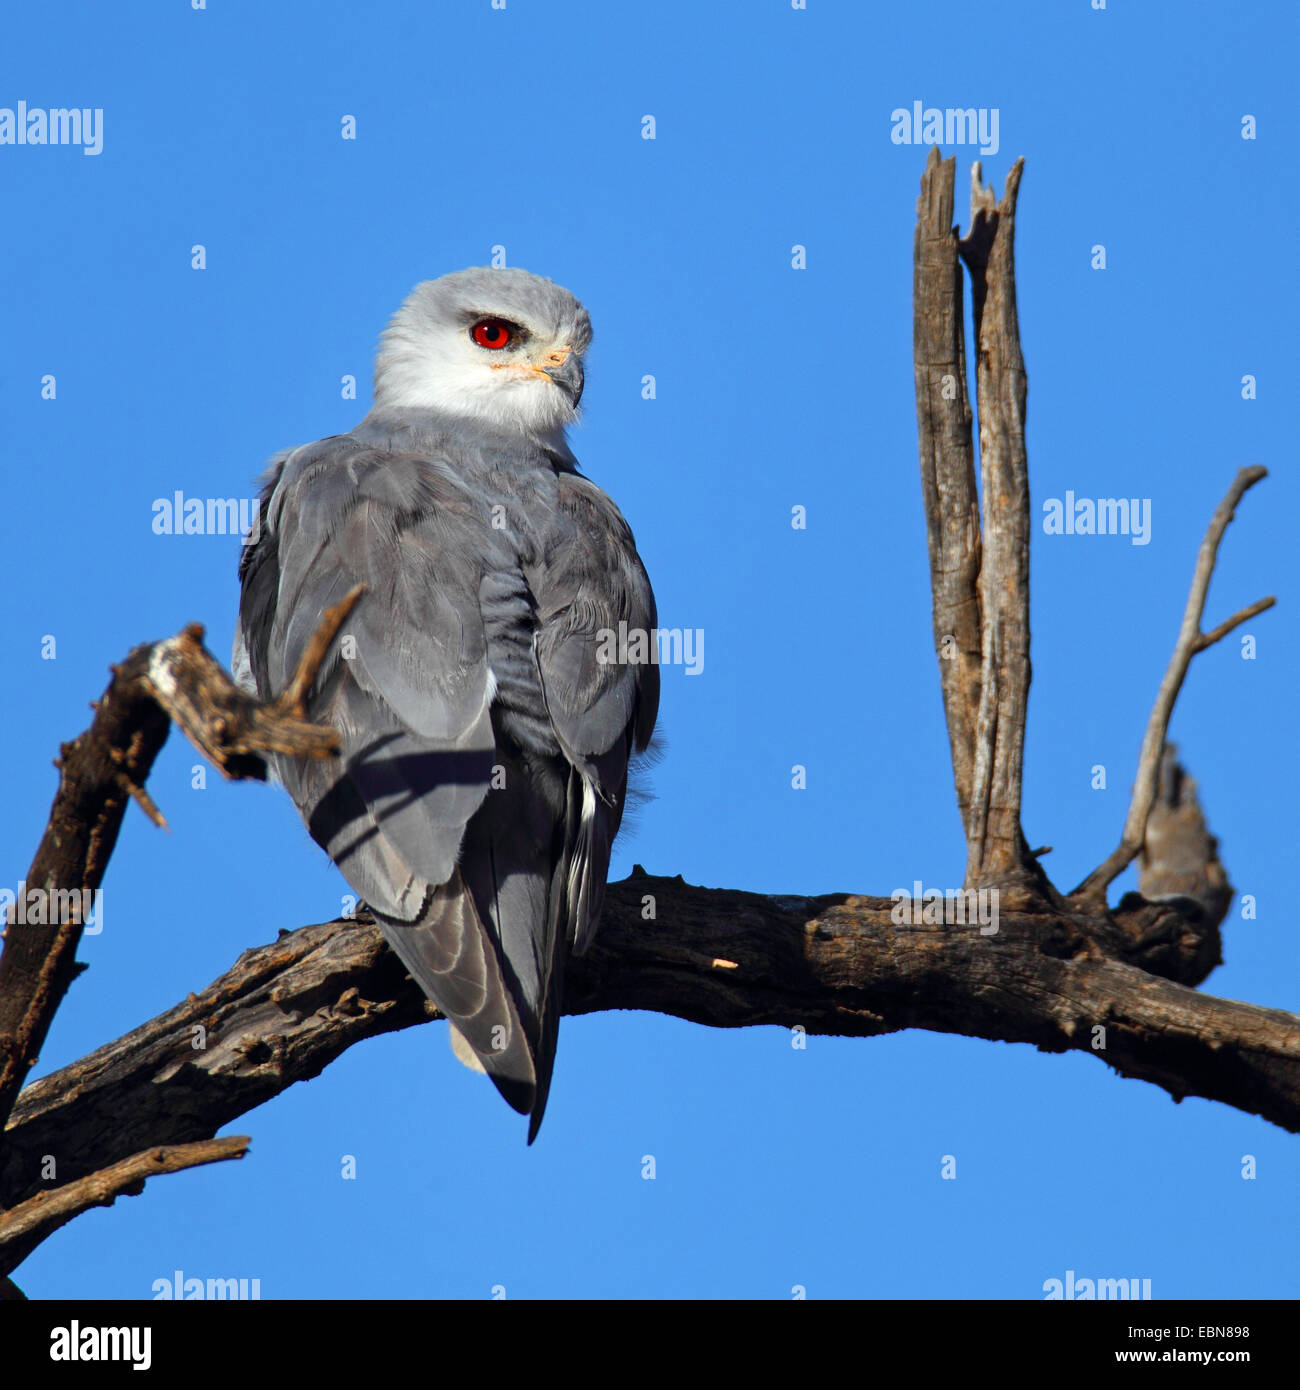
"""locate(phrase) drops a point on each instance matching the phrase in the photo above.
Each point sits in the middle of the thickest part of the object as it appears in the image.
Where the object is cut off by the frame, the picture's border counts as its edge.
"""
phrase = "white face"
(499, 366)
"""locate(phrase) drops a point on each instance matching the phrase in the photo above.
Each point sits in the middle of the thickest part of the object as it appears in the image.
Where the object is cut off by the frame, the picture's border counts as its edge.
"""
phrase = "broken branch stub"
(230, 727)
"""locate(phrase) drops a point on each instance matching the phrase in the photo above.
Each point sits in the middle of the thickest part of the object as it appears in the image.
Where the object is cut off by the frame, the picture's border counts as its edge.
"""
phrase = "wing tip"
(518, 1095)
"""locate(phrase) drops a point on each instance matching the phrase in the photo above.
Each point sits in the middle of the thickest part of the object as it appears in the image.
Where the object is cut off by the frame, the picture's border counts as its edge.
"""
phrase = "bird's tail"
(568, 894)
(535, 867)
(577, 895)
(452, 958)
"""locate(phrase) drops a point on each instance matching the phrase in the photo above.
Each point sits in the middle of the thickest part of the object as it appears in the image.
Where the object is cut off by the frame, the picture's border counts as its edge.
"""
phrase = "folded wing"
(408, 686)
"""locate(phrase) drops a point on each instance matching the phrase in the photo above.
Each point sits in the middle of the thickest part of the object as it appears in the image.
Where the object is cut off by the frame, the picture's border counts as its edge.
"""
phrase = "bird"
(486, 722)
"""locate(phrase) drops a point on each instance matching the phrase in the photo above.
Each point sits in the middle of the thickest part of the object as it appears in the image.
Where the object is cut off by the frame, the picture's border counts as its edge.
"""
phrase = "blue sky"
(775, 388)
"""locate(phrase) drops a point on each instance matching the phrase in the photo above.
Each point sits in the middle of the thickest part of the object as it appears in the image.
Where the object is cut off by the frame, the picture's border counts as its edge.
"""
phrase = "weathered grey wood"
(996, 851)
(1191, 640)
(943, 424)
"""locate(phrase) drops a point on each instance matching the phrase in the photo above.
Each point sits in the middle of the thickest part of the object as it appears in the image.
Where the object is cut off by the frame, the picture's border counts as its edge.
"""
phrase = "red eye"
(490, 333)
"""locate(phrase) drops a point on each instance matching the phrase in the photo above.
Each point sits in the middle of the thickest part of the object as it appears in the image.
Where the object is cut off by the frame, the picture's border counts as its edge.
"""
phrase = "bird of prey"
(486, 732)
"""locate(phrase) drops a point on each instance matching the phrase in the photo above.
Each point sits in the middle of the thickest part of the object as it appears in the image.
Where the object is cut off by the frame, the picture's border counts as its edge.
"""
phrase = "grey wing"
(408, 686)
(600, 679)
(590, 585)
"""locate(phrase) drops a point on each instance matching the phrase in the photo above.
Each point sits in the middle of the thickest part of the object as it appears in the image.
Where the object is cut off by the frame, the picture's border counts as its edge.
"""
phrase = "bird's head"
(502, 346)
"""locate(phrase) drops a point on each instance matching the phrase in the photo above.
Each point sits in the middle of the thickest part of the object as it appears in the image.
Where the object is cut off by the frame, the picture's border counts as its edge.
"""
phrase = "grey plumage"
(485, 743)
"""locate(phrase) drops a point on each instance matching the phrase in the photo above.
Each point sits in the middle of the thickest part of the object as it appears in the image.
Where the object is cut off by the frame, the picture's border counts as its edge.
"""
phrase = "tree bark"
(948, 491)
(996, 850)
(837, 964)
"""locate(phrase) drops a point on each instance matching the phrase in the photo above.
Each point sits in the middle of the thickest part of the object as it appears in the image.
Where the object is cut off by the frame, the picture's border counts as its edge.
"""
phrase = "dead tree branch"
(834, 965)
(1191, 640)
(98, 773)
(1180, 858)
(228, 726)
(996, 851)
(24, 1227)
(943, 424)
(979, 579)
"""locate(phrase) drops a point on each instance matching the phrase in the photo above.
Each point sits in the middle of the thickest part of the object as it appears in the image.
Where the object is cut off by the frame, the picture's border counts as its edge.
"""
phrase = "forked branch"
(1191, 640)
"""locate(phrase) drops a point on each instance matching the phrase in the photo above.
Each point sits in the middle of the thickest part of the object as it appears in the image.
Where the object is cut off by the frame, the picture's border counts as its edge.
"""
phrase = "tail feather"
(452, 958)
(527, 892)
(567, 875)
(548, 1035)
(584, 883)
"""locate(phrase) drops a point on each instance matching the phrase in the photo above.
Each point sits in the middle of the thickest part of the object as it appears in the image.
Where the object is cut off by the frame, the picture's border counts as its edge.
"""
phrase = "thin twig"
(293, 700)
(1246, 614)
(24, 1227)
(144, 801)
(1190, 641)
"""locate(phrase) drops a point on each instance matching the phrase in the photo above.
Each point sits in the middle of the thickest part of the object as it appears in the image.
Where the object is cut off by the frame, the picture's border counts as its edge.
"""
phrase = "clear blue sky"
(775, 388)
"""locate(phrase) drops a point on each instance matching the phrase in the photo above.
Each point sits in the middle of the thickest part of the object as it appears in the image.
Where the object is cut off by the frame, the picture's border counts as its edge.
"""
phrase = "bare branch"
(101, 771)
(230, 727)
(996, 850)
(292, 703)
(836, 964)
(24, 1227)
(1253, 611)
(943, 420)
(1190, 641)
(144, 801)
(95, 770)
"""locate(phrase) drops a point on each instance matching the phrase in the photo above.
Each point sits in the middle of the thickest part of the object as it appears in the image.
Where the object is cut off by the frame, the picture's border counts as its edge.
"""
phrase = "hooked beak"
(564, 367)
